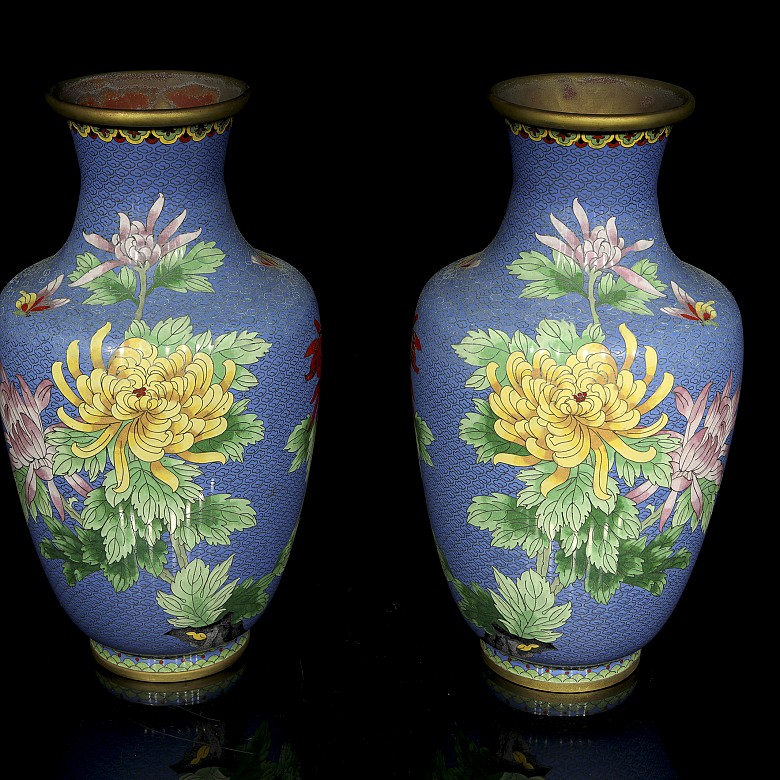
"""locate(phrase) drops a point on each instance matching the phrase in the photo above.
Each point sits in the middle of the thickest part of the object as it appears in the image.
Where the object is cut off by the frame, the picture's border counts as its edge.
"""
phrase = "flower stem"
(139, 312)
(181, 553)
(592, 278)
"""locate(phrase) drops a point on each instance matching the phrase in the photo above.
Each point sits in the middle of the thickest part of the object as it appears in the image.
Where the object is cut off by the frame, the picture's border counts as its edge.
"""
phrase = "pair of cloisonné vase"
(575, 387)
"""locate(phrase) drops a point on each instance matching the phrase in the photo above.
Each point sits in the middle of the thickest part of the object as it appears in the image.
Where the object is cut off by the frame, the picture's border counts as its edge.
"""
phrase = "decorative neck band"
(138, 135)
(592, 140)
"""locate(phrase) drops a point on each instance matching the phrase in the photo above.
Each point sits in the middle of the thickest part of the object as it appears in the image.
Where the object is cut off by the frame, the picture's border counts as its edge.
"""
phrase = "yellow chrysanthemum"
(563, 413)
(154, 405)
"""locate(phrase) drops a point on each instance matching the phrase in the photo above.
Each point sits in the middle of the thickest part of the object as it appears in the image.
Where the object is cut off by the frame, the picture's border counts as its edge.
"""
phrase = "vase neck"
(133, 175)
(610, 178)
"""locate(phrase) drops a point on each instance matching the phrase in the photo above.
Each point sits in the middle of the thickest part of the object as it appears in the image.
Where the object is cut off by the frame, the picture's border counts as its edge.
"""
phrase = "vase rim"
(591, 102)
(148, 98)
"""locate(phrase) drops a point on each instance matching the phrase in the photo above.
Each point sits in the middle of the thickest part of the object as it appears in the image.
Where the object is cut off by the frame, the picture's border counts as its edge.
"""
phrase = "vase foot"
(173, 668)
(565, 679)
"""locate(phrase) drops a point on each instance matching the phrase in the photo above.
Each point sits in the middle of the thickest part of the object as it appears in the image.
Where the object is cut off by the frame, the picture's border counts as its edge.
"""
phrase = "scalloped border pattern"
(592, 140)
(140, 135)
(164, 665)
(560, 676)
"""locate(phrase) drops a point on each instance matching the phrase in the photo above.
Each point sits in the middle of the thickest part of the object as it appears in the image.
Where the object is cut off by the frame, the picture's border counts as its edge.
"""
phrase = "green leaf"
(41, 504)
(601, 544)
(249, 598)
(594, 334)
(171, 333)
(108, 288)
(479, 380)
(479, 347)
(567, 505)
(197, 596)
(242, 431)
(149, 497)
(477, 429)
(527, 606)
(213, 519)
(601, 585)
(549, 279)
(97, 510)
(301, 442)
(658, 470)
(559, 338)
(615, 291)
(122, 574)
(181, 272)
(657, 557)
(477, 606)
(510, 525)
(118, 534)
(424, 437)
(684, 511)
(65, 463)
(69, 547)
(244, 348)
(138, 329)
(151, 552)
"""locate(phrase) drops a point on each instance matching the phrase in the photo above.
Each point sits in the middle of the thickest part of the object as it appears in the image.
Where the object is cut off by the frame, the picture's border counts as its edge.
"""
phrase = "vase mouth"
(591, 102)
(148, 98)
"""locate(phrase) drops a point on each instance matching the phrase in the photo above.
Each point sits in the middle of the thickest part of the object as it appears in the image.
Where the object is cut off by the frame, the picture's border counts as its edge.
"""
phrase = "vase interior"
(148, 98)
(591, 101)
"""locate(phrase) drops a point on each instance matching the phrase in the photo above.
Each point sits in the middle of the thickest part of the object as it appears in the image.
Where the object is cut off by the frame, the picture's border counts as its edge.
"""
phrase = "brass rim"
(172, 677)
(591, 102)
(562, 688)
(97, 99)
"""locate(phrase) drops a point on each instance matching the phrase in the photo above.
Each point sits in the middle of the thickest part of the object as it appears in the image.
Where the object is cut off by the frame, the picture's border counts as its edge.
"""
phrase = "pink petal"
(124, 226)
(171, 228)
(154, 213)
(95, 272)
(568, 236)
(642, 493)
(697, 499)
(640, 246)
(554, 243)
(697, 412)
(79, 484)
(612, 232)
(56, 498)
(29, 485)
(638, 281)
(178, 241)
(666, 510)
(582, 219)
(99, 242)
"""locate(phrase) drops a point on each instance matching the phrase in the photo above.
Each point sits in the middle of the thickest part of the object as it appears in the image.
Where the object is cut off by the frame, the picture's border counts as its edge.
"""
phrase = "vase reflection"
(519, 740)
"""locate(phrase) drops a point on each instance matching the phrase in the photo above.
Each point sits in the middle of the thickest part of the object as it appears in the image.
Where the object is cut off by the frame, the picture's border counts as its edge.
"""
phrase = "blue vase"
(575, 389)
(159, 385)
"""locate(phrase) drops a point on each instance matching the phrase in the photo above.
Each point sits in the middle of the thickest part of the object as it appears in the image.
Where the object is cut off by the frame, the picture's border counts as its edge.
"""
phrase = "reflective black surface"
(368, 165)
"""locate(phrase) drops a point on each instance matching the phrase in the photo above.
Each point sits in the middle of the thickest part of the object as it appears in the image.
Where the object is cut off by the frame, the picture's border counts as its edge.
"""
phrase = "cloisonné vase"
(575, 387)
(159, 385)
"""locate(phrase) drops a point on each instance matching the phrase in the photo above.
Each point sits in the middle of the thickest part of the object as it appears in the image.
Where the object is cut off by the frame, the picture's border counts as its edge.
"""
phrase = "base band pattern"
(170, 668)
(559, 679)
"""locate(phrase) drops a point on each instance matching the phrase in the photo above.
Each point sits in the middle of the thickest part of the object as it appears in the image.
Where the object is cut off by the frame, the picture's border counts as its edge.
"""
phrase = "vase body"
(575, 388)
(159, 385)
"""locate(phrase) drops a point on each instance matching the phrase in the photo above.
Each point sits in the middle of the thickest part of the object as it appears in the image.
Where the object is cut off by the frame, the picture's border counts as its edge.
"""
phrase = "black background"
(369, 157)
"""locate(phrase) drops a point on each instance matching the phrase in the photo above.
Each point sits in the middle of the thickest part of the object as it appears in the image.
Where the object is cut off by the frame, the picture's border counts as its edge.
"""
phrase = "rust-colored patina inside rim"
(591, 102)
(155, 99)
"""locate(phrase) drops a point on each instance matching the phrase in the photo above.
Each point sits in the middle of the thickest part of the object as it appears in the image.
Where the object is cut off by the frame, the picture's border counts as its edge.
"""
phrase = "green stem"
(543, 561)
(139, 312)
(651, 519)
(181, 552)
(71, 512)
(592, 279)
